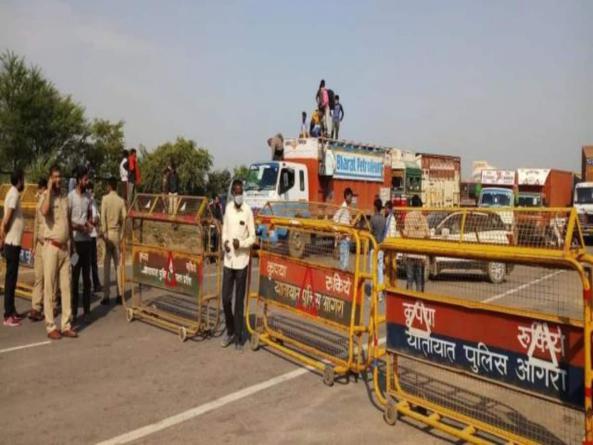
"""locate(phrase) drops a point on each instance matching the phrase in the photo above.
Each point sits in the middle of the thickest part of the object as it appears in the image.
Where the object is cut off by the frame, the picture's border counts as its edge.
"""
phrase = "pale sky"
(509, 82)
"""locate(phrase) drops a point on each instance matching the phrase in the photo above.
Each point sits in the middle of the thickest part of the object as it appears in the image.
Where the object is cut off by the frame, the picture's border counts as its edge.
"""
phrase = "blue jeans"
(415, 274)
(344, 254)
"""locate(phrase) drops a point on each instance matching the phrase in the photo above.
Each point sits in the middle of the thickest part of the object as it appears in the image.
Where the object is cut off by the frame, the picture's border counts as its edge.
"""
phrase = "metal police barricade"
(173, 245)
(488, 325)
(26, 278)
(313, 273)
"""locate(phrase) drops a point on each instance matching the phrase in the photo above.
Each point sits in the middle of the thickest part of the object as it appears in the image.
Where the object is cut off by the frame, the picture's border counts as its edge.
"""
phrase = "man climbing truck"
(319, 170)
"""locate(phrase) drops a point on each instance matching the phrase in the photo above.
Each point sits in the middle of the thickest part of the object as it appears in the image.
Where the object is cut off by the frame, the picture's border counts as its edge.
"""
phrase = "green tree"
(191, 162)
(241, 172)
(37, 124)
(218, 182)
(105, 145)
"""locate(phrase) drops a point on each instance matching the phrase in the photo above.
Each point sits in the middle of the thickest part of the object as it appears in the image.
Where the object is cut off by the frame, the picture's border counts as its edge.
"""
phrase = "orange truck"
(319, 170)
(544, 187)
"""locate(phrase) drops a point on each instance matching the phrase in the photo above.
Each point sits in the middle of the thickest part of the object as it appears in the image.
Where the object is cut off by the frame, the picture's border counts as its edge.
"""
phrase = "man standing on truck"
(337, 116)
(322, 98)
(238, 235)
(276, 143)
(343, 216)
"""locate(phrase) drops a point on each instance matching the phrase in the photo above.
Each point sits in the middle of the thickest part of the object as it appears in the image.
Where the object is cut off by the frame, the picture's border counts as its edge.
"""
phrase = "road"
(134, 383)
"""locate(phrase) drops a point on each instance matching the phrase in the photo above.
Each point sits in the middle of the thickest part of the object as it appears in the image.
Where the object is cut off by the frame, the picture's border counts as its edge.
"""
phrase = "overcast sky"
(508, 82)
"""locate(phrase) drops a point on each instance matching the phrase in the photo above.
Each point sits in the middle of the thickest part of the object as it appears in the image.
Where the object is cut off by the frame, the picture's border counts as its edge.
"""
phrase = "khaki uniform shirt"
(113, 214)
(56, 225)
(38, 235)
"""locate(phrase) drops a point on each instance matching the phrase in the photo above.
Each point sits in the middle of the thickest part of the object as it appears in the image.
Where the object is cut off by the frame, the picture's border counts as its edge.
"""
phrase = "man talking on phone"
(56, 256)
(238, 235)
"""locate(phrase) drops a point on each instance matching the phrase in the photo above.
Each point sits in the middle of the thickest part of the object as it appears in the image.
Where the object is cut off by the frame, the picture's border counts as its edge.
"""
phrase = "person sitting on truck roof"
(276, 143)
(315, 126)
(337, 116)
(304, 133)
(344, 216)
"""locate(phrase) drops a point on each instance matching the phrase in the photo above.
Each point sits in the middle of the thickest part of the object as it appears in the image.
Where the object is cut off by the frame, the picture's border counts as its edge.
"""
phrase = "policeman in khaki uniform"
(37, 300)
(113, 215)
(56, 258)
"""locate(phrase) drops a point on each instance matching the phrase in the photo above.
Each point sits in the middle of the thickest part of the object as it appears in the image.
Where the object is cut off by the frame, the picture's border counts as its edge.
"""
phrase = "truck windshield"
(262, 177)
(499, 199)
(529, 201)
(584, 195)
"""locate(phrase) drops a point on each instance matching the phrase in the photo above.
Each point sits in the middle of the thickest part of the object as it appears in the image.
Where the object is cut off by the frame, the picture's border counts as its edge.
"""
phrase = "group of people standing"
(327, 116)
(384, 224)
(66, 229)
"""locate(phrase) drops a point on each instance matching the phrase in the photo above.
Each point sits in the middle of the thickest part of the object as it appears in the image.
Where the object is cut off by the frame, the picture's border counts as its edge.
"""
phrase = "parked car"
(480, 227)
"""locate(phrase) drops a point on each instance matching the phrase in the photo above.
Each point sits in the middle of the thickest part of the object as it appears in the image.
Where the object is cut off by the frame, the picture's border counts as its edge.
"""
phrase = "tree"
(241, 172)
(191, 162)
(218, 182)
(105, 146)
(37, 124)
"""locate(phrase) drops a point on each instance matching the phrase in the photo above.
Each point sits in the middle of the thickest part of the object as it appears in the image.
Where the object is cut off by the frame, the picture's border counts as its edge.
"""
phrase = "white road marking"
(192, 413)
(523, 286)
(31, 345)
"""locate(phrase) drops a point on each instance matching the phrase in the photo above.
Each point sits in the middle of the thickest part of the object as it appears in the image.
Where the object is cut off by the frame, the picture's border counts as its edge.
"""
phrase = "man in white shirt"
(343, 216)
(238, 235)
(79, 208)
(11, 235)
(95, 220)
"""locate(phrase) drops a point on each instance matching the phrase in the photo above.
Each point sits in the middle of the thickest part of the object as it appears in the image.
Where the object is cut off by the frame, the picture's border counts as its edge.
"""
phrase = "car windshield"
(584, 195)
(262, 177)
(496, 199)
(529, 201)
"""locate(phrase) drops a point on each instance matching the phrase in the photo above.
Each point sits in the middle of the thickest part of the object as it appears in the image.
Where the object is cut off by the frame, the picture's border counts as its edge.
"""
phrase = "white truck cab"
(583, 203)
(275, 181)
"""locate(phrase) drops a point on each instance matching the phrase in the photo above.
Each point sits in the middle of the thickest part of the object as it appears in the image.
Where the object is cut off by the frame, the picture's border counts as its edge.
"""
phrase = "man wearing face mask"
(11, 235)
(238, 235)
(79, 207)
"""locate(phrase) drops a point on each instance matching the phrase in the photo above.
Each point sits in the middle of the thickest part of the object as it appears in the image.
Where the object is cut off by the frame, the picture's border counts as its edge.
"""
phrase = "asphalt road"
(135, 383)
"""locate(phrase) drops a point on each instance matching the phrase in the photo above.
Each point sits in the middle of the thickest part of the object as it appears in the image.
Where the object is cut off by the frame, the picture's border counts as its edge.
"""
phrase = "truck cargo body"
(545, 187)
(441, 177)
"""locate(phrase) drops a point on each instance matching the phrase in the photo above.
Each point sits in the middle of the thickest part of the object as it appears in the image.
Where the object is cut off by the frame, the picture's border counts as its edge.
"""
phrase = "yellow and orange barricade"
(172, 264)
(313, 273)
(497, 347)
(26, 277)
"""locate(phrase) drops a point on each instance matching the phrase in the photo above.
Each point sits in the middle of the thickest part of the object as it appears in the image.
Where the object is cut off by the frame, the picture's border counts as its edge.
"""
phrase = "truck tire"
(496, 272)
(297, 241)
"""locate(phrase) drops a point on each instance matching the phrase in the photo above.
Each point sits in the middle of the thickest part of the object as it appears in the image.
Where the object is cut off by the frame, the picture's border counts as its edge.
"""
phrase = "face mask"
(238, 200)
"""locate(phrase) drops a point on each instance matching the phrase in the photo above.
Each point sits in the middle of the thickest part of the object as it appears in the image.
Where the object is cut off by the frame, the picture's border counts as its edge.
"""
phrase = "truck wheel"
(296, 243)
(496, 272)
